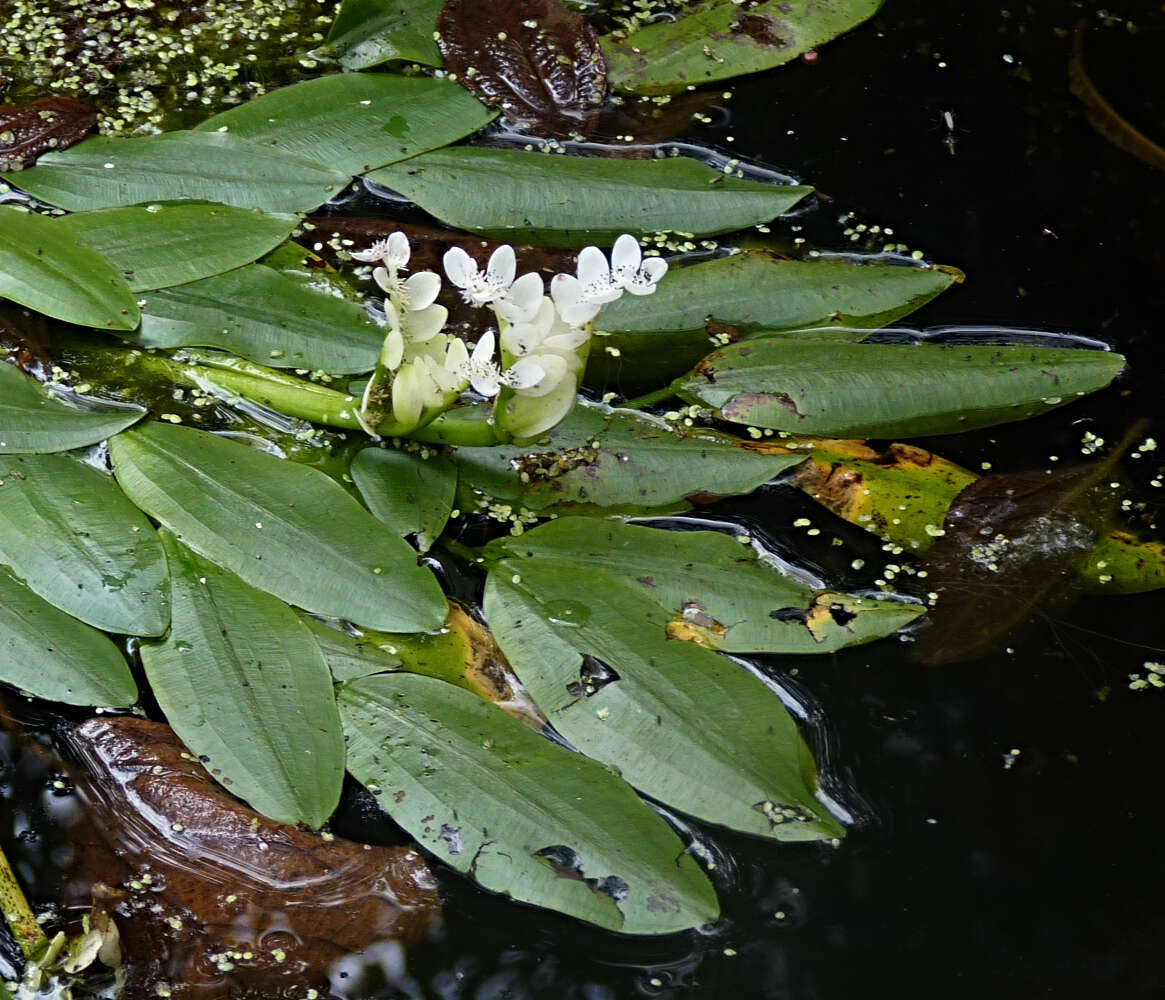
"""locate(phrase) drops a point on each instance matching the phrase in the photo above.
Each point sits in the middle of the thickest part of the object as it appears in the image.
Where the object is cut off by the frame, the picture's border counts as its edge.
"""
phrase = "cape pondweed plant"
(530, 366)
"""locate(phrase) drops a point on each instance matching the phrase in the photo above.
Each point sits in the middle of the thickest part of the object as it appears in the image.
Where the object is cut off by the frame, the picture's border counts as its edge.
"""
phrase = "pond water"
(1008, 813)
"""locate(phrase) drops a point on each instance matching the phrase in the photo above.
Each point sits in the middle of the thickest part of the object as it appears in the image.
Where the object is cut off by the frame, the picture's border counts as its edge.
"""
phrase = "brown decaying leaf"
(211, 899)
(27, 130)
(535, 60)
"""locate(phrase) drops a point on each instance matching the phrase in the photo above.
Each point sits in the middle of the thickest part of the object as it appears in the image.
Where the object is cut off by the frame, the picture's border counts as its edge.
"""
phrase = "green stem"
(649, 399)
(18, 914)
(457, 431)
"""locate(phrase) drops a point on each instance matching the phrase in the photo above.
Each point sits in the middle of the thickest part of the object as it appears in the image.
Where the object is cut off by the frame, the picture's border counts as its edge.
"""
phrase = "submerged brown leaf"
(1014, 546)
(27, 130)
(213, 900)
(536, 60)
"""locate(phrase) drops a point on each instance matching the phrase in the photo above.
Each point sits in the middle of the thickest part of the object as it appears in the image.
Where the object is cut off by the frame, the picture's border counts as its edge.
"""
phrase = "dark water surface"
(972, 870)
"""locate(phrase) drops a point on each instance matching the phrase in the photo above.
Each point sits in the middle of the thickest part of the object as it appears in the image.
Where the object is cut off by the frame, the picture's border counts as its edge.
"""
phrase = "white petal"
(522, 301)
(604, 294)
(374, 252)
(484, 351)
(459, 266)
(565, 289)
(520, 338)
(392, 350)
(593, 268)
(424, 324)
(567, 342)
(553, 409)
(407, 395)
(654, 268)
(553, 369)
(421, 289)
(456, 355)
(640, 288)
(391, 319)
(525, 374)
(396, 251)
(487, 385)
(381, 277)
(503, 265)
(625, 255)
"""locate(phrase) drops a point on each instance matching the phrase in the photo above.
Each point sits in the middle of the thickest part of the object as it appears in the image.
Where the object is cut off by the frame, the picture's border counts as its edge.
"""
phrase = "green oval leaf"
(521, 815)
(369, 32)
(265, 316)
(284, 528)
(572, 200)
(616, 461)
(52, 655)
(714, 591)
(104, 172)
(724, 38)
(71, 535)
(32, 421)
(890, 390)
(245, 687)
(681, 723)
(412, 495)
(155, 246)
(355, 122)
(46, 266)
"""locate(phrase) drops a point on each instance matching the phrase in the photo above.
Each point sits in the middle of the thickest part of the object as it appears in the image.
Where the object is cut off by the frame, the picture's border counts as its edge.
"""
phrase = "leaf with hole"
(602, 460)
(283, 527)
(681, 723)
(518, 813)
(245, 687)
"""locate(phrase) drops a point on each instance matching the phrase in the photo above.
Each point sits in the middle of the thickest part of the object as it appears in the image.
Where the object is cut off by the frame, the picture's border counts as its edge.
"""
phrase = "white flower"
(392, 252)
(409, 325)
(487, 377)
(522, 299)
(415, 292)
(572, 305)
(629, 269)
(545, 333)
(595, 278)
(479, 288)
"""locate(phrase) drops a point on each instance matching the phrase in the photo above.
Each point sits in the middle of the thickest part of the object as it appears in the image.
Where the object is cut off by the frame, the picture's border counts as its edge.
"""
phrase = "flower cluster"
(530, 365)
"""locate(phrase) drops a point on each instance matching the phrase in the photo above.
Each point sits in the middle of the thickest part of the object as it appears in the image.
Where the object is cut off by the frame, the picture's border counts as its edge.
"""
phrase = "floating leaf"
(573, 200)
(52, 655)
(714, 591)
(535, 59)
(291, 904)
(604, 461)
(104, 172)
(413, 496)
(521, 815)
(1120, 563)
(890, 390)
(681, 723)
(244, 685)
(44, 265)
(747, 293)
(284, 528)
(265, 316)
(719, 39)
(31, 421)
(354, 122)
(155, 246)
(462, 653)
(369, 32)
(71, 535)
